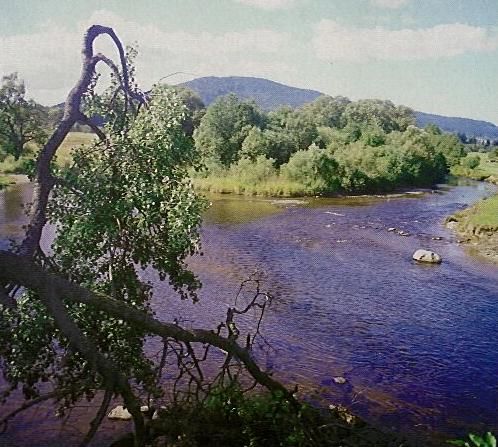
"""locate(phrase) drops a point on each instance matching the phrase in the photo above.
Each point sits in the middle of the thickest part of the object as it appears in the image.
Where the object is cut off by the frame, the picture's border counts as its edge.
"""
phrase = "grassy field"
(487, 170)
(73, 139)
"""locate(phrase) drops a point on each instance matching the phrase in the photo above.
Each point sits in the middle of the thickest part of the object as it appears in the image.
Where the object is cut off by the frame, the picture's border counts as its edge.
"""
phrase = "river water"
(417, 344)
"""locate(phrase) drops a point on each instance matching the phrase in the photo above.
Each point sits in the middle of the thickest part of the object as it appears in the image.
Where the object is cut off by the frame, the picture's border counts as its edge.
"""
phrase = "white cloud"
(49, 58)
(268, 4)
(335, 42)
(390, 4)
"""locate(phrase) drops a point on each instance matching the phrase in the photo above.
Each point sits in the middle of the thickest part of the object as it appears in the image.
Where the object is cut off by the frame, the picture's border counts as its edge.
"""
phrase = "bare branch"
(23, 271)
(95, 424)
(83, 119)
(31, 403)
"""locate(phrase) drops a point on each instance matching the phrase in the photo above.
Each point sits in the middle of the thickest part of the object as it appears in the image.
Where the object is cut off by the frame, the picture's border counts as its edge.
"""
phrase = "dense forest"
(331, 145)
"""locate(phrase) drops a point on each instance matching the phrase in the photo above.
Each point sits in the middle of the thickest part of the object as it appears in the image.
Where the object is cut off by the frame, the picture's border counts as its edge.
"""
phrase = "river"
(417, 344)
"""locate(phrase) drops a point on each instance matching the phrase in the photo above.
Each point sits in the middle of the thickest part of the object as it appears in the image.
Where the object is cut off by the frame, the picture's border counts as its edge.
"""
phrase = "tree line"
(330, 145)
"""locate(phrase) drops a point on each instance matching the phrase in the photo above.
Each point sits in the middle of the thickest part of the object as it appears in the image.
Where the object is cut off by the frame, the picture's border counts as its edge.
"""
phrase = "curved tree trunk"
(20, 269)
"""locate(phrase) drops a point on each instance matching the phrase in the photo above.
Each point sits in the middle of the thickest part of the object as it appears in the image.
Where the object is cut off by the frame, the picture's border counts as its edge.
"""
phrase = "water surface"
(417, 344)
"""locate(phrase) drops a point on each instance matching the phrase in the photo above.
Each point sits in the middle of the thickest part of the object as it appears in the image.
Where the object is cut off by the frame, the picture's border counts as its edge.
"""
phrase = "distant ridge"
(470, 127)
(267, 94)
(270, 95)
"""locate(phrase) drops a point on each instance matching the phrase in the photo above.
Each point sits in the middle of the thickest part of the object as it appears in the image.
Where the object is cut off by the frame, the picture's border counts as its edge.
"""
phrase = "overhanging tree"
(80, 315)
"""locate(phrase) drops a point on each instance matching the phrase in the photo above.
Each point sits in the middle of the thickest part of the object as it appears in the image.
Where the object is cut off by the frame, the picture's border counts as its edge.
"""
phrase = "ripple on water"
(418, 345)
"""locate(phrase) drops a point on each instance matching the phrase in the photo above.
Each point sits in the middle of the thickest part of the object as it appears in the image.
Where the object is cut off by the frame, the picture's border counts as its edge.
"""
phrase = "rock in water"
(119, 413)
(427, 256)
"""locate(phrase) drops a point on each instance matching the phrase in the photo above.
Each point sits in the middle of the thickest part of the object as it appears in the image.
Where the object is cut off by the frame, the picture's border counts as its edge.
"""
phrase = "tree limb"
(95, 424)
(43, 182)
(25, 272)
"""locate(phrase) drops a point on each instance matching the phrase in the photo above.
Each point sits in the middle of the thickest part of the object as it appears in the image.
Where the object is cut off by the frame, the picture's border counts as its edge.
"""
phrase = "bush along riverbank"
(230, 417)
(328, 147)
(477, 227)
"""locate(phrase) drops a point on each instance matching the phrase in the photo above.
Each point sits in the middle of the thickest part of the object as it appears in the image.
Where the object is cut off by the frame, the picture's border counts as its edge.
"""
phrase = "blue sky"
(438, 56)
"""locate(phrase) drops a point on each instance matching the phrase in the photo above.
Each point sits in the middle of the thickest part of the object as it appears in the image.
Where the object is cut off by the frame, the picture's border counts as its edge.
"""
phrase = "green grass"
(487, 170)
(11, 166)
(72, 141)
(64, 154)
(483, 214)
(4, 181)
(272, 187)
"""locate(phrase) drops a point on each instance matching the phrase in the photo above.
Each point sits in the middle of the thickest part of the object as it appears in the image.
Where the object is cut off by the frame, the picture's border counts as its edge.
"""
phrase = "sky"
(436, 56)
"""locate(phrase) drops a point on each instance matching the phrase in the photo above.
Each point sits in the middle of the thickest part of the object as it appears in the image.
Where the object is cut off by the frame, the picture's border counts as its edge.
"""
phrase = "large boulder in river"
(427, 256)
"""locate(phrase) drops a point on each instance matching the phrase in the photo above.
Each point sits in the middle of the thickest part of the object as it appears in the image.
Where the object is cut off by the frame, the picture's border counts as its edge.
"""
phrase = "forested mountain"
(270, 95)
(467, 126)
(267, 94)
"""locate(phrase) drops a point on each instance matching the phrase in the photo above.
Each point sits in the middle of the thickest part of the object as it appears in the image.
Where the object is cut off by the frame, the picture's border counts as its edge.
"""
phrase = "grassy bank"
(482, 218)
(4, 181)
(487, 169)
(9, 165)
(477, 227)
(274, 186)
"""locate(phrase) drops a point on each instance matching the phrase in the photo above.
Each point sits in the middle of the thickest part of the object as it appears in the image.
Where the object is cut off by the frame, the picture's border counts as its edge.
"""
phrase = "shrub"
(471, 161)
(253, 171)
(314, 168)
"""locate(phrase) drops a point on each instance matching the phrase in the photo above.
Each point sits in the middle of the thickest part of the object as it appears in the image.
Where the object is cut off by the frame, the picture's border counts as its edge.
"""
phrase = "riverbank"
(278, 187)
(12, 170)
(477, 227)
(486, 171)
(5, 181)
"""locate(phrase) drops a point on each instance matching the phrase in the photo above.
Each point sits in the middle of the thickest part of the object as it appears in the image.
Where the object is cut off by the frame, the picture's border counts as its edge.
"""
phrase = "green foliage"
(493, 155)
(253, 172)
(326, 111)
(9, 165)
(450, 146)
(433, 129)
(373, 136)
(314, 168)
(278, 144)
(329, 145)
(228, 417)
(407, 159)
(22, 121)
(123, 204)
(225, 126)
(194, 105)
(255, 144)
(301, 126)
(471, 161)
(378, 113)
(476, 441)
